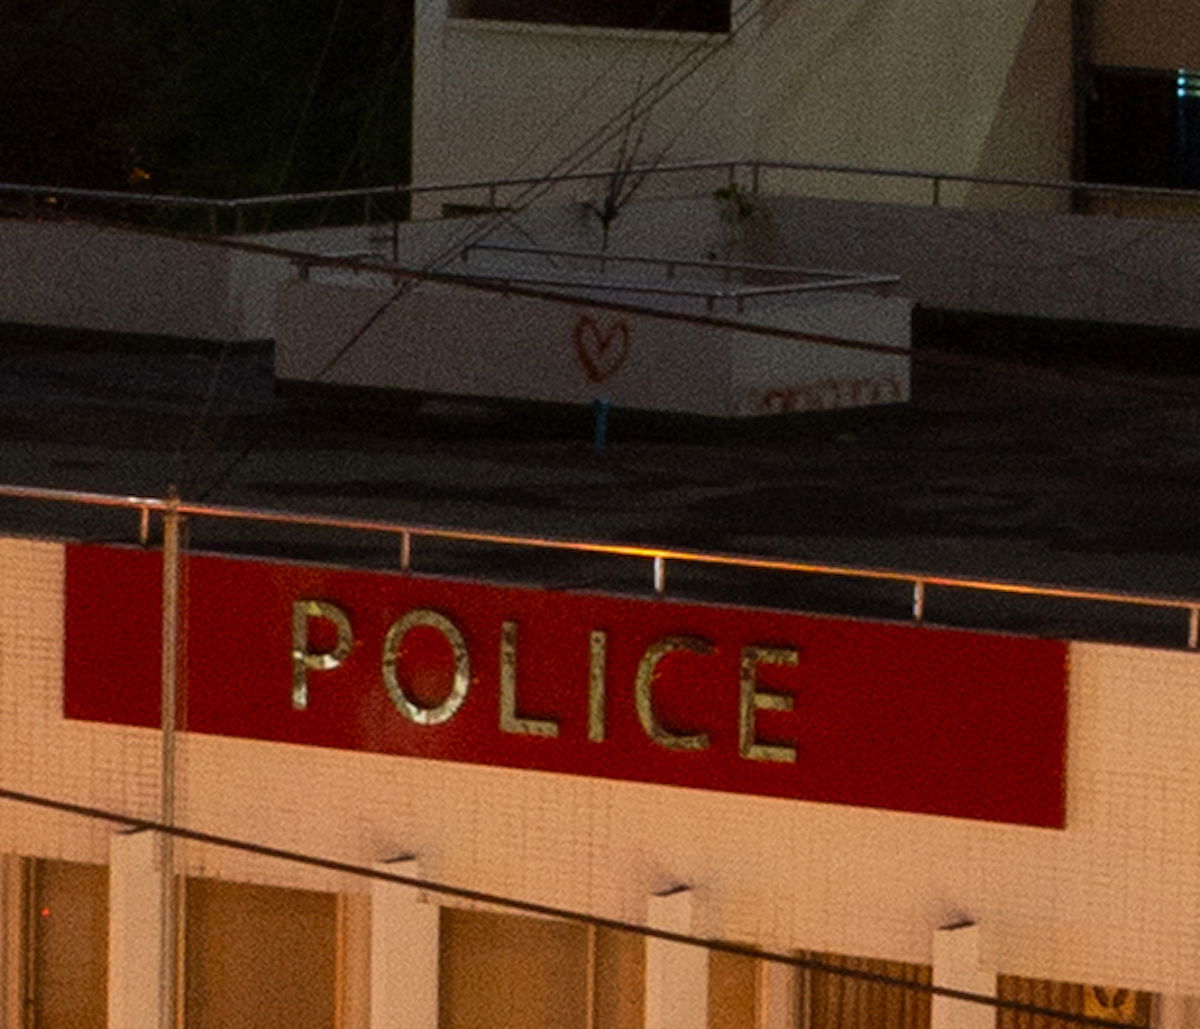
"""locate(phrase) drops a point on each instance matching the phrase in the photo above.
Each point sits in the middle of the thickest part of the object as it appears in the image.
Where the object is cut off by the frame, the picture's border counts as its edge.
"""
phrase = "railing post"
(172, 562)
(1193, 628)
(144, 525)
(918, 601)
(660, 574)
(405, 550)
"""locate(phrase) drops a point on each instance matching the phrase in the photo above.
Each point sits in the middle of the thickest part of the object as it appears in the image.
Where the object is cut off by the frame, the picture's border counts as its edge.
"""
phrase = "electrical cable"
(289, 156)
(651, 96)
(535, 908)
(643, 102)
(581, 153)
(931, 356)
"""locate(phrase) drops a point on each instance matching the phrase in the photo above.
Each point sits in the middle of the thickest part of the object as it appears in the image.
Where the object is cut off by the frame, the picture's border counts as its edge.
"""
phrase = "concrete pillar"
(676, 973)
(1176, 1011)
(135, 938)
(777, 1001)
(956, 966)
(404, 953)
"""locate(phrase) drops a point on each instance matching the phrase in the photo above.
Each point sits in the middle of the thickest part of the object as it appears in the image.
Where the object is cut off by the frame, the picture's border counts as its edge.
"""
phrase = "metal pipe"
(158, 200)
(716, 559)
(660, 574)
(918, 601)
(171, 582)
(405, 550)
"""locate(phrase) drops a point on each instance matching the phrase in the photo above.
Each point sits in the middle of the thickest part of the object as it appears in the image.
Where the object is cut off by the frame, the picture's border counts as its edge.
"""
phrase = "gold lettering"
(597, 673)
(462, 667)
(304, 661)
(754, 699)
(510, 721)
(644, 692)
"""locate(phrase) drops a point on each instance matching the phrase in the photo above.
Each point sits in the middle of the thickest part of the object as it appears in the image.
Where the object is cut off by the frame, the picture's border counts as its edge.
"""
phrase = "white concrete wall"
(1056, 266)
(1114, 898)
(83, 277)
(494, 100)
(451, 340)
(901, 83)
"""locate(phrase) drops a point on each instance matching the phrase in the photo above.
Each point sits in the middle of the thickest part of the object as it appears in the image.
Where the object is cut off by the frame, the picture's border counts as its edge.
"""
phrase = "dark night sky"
(217, 98)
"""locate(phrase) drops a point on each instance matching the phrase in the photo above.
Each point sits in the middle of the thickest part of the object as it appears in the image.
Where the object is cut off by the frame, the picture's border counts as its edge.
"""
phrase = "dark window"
(668, 15)
(1143, 127)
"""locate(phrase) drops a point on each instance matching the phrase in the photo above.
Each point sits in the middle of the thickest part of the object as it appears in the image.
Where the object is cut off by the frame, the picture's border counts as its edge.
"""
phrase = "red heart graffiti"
(600, 352)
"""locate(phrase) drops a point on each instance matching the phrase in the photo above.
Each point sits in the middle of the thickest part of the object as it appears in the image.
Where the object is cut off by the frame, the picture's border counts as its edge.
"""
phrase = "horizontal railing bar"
(501, 279)
(149, 199)
(714, 295)
(269, 515)
(755, 166)
(677, 262)
(980, 180)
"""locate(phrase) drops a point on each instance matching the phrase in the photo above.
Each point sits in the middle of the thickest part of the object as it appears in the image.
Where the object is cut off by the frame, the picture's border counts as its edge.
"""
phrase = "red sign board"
(880, 715)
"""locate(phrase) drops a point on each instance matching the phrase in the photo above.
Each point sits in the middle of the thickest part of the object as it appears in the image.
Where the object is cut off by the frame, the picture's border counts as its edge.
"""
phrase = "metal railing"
(796, 279)
(218, 212)
(657, 558)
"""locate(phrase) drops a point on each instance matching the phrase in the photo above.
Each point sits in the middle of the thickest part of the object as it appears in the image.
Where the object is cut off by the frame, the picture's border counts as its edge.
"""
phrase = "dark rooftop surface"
(1022, 458)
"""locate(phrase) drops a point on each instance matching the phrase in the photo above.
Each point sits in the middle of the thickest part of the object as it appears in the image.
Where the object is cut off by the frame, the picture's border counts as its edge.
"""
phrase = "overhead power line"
(643, 102)
(527, 907)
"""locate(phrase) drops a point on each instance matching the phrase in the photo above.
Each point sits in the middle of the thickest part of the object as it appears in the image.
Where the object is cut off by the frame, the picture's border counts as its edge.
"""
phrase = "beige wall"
(1113, 898)
(497, 101)
(79, 276)
(879, 83)
(913, 84)
(1032, 129)
(465, 342)
(1122, 270)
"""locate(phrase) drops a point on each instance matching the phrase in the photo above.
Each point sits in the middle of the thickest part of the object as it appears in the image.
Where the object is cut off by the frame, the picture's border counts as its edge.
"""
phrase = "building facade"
(1012, 817)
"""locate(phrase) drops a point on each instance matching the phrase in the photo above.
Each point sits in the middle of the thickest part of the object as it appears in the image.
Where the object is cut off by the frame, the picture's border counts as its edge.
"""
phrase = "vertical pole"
(135, 957)
(660, 574)
(12, 937)
(676, 985)
(600, 408)
(170, 683)
(589, 1000)
(405, 953)
(778, 1001)
(957, 965)
(396, 223)
(405, 550)
(918, 603)
(1194, 628)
